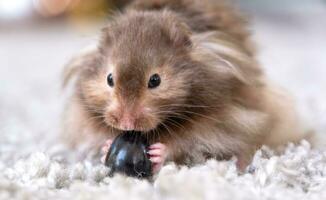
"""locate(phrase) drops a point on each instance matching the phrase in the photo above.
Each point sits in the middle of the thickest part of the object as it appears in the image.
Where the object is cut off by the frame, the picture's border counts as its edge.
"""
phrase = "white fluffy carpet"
(34, 165)
(297, 174)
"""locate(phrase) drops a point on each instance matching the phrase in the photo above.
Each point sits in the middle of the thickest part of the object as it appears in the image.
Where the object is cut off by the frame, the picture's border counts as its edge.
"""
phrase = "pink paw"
(242, 163)
(158, 154)
(105, 149)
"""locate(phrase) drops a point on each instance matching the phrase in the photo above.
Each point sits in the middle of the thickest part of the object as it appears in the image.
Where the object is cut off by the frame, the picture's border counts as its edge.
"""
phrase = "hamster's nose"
(127, 122)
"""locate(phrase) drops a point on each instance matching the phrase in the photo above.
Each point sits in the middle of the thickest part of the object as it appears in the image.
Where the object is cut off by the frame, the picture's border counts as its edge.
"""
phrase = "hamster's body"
(213, 100)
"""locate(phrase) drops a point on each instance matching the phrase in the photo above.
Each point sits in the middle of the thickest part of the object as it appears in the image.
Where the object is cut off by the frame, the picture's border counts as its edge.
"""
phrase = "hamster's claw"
(157, 153)
(105, 148)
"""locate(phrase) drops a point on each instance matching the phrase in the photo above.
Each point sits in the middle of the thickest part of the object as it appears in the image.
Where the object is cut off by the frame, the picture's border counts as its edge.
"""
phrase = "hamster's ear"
(179, 32)
(77, 63)
(107, 36)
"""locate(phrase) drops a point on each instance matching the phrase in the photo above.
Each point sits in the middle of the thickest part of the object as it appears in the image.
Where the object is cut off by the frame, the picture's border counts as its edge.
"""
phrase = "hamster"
(184, 73)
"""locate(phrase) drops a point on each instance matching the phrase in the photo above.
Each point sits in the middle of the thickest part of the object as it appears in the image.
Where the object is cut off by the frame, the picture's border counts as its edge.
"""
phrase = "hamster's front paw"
(158, 153)
(242, 162)
(105, 149)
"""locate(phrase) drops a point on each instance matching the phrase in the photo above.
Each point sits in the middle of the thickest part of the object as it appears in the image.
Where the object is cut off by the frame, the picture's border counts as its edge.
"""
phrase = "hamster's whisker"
(168, 121)
(207, 117)
(155, 131)
(91, 108)
(111, 127)
(184, 117)
(177, 115)
(94, 119)
(167, 128)
(187, 106)
(176, 124)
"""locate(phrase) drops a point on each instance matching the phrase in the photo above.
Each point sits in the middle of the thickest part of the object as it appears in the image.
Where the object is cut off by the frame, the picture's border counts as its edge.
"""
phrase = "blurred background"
(37, 37)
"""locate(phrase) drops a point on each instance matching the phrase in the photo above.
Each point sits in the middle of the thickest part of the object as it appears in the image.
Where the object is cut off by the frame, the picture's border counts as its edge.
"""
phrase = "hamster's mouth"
(147, 128)
(139, 130)
(140, 127)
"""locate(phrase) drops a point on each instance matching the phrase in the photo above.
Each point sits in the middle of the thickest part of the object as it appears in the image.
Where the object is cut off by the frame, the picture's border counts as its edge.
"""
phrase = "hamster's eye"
(154, 81)
(110, 80)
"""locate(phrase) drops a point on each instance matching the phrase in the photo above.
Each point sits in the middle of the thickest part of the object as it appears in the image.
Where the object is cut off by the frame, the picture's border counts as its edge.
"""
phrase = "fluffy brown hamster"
(184, 73)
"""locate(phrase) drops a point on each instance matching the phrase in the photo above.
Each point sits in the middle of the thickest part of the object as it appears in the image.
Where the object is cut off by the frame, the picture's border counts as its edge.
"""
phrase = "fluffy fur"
(214, 101)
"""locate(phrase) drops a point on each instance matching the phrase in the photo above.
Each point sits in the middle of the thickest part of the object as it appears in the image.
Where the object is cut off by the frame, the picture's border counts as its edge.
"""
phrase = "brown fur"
(213, 102)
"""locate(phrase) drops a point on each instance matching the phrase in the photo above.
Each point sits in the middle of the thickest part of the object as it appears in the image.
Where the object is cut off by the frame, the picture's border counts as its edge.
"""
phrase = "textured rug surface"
(35, 165)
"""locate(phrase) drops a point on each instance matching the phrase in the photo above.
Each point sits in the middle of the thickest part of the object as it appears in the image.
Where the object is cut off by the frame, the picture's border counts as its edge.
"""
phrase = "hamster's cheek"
(172, 86)
(96, 92)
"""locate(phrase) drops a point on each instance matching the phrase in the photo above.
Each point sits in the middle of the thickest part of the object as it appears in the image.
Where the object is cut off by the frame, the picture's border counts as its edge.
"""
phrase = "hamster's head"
(145, 72)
